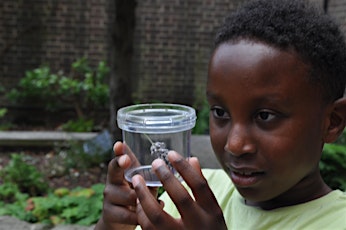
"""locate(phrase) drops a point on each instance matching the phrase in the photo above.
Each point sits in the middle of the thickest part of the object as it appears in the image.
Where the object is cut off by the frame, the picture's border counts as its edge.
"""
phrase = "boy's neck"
(308, 189)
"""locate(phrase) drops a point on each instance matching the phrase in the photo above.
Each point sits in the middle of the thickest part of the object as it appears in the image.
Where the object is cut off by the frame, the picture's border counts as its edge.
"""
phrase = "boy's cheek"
(218, 146)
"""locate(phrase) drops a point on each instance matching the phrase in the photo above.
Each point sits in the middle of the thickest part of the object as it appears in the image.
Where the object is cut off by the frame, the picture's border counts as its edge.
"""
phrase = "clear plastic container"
(150, 131)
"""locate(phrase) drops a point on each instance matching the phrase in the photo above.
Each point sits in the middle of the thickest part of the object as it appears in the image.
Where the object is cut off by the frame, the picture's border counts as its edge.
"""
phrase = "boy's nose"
(239, 141)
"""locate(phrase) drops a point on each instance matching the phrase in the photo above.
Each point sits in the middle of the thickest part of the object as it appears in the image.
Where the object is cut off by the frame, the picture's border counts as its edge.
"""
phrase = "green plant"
(202, 123)
(3, 111)
(83, 89)
(8, 192)
(28, 179)
(75, 157)
(4, 125)
(79, 125)
(81, 206)
(342, 139)
(333, 164)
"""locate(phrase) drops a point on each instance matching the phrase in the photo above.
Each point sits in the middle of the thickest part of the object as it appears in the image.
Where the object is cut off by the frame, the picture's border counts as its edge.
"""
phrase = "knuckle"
(156, 218)
(124, 216)
(113, 164)
(164, 174)
(180, 163)
(147, 226)
(115, 195)
(107, 192)
(201, 185)
(185, 201)
(139, 188)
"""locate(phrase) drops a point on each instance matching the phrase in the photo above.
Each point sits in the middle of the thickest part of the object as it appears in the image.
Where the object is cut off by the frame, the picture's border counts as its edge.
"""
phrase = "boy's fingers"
(121, 149)
(194, 162)
(120, 195)
(118, 148)
(144, 195)
(123, 214)
(115, 174)
(149, 210)
(195, 180)
(124, 158)
(179, 195)
(143, 220)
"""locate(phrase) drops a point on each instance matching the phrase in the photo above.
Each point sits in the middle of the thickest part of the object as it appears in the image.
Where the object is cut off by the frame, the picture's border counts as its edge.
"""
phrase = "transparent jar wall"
(141, 143)
(150, 131)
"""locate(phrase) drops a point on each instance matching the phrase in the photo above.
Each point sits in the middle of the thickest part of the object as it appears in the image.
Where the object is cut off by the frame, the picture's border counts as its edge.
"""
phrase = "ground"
(57, 171)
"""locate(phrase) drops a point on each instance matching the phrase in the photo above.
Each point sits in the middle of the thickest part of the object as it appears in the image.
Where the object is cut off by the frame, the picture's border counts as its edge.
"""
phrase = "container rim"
(156, 118)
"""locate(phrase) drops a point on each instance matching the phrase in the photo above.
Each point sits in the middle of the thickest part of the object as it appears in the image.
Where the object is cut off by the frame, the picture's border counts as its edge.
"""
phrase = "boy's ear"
(337, 120)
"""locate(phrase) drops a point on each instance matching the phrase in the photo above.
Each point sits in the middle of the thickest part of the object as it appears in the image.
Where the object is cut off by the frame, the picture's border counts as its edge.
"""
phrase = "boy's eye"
(266, 116)
(219, 113)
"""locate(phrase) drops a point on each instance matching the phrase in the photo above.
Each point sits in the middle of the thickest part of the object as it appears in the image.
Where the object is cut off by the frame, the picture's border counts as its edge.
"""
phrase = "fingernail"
(173, 155)
(135, 180)
(157, 163)
(122, 160)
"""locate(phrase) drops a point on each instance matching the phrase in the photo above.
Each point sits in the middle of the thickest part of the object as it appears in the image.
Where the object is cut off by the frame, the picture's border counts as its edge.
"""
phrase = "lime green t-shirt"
(327, 212)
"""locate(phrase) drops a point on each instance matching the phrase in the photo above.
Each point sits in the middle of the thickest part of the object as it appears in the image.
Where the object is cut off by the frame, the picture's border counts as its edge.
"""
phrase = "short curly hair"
(294, 24)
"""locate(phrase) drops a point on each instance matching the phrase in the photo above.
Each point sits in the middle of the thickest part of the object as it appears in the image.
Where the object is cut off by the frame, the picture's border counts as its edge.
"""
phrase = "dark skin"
(268, 125)
(127, 205)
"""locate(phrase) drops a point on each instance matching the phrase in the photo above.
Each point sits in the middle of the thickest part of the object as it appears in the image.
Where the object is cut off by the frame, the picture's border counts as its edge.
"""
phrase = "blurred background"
(68, 66)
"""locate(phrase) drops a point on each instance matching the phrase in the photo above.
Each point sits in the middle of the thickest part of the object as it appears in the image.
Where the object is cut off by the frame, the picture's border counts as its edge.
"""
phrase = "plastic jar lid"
(156, 118)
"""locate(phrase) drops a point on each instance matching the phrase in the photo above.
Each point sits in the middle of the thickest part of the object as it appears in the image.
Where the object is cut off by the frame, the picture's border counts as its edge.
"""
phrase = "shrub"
(83, 89)
(202, 122)
(333, 164)
(78, 125)
(81, 206)
(28, 179)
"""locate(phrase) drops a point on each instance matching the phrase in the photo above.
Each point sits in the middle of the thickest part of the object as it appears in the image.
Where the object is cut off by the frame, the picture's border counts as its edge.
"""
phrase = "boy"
(275, 88)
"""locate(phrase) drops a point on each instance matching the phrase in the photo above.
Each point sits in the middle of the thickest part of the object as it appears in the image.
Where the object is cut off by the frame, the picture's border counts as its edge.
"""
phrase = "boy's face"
(267, 123)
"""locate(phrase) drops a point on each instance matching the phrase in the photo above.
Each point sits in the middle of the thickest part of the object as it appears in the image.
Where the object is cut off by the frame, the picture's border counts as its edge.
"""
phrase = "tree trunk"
(122, 33)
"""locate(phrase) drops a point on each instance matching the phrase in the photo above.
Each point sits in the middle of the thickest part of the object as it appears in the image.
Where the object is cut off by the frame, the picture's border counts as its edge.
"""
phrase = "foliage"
(4, 126)
(79, 125)
(9, 192)
(75, 157)
(81, 206)
(342, 139)
(333, 164)
(202, 123)
(3, 111)
(25, 195)
(28, 179)
(84, 88)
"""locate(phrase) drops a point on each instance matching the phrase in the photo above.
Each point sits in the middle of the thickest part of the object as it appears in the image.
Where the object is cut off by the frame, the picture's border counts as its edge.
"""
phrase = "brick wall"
(55, 33)
(173, 41)
(337, 8)
(173, 44)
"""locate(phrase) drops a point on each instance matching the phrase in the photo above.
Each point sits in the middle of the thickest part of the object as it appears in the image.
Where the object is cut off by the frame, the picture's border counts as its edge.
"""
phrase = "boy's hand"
(119, 204)
(201, 213)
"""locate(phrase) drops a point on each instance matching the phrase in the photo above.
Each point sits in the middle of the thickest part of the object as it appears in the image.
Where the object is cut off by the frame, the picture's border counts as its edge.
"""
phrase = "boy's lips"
(245, 176)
